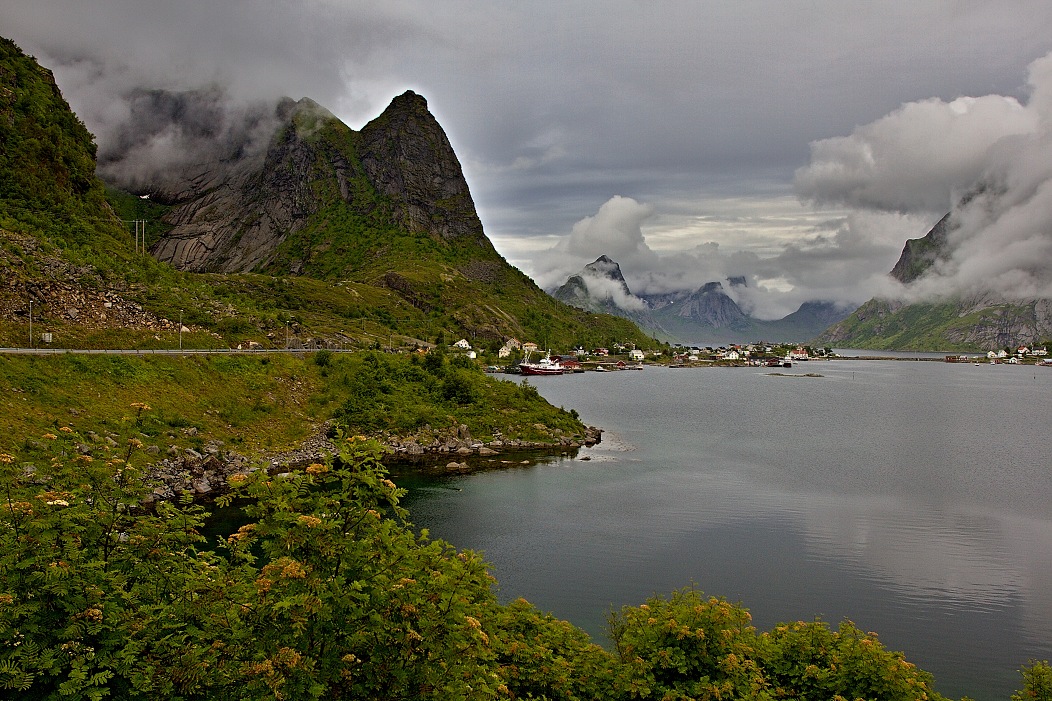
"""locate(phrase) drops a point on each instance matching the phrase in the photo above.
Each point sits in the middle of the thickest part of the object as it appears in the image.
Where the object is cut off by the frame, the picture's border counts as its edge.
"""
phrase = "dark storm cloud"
(699, 112)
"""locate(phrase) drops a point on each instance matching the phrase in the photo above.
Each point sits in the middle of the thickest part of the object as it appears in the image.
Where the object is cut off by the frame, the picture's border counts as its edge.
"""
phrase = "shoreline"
(205, 475)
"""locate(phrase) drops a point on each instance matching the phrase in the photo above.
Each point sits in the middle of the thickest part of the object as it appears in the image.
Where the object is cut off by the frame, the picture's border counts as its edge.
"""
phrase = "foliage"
(329, 592)
(377, 392)
(810, 661)
(1037, 683)
(686, 647)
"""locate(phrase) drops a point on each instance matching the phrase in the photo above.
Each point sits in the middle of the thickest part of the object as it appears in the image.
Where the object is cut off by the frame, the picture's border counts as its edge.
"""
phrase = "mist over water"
(910, 497)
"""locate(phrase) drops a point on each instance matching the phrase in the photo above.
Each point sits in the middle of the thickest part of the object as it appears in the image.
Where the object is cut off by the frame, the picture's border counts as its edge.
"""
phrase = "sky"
(798, 144)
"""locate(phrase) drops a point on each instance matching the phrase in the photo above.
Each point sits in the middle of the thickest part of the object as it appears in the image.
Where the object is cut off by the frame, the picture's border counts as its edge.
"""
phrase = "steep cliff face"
(920, 254)
(977, 322)
(316, 192)
(601, 287)
(408, 158)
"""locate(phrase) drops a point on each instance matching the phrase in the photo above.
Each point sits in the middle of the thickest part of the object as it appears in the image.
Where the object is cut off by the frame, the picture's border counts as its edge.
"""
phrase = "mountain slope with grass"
(288, 228)
(976, 322)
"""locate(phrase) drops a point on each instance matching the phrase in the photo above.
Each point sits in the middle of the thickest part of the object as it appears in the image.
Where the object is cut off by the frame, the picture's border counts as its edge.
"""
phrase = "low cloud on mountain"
(993, 151)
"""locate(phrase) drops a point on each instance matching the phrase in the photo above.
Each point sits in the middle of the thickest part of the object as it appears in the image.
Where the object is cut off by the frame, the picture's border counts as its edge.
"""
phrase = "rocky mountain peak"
(242, 209)
(712, 306)
(606, 267)
(920, 254)
(407, 157)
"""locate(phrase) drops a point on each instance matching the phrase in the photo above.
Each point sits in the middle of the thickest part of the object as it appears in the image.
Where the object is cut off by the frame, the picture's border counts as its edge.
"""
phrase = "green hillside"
(351, 277)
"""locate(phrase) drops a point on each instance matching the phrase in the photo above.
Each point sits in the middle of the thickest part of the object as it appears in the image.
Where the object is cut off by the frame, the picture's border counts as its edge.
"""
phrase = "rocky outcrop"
(408, 158)
(601, 287)
(920, 254)
(230, 215)
(461, 443)
(235, 211)
(205, 474)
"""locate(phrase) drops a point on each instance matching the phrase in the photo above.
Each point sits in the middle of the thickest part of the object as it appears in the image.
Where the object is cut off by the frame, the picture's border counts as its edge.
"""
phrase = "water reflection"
(876, 492)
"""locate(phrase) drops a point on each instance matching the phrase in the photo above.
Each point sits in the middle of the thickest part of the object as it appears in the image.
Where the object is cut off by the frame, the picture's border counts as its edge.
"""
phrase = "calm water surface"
(914, 498)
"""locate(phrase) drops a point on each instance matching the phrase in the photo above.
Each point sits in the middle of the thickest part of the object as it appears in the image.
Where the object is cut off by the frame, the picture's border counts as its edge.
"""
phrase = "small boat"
(544, 366)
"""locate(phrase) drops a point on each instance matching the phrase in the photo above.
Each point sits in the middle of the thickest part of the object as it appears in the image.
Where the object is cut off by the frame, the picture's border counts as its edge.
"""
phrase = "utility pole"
(30, 323)
(180, 329)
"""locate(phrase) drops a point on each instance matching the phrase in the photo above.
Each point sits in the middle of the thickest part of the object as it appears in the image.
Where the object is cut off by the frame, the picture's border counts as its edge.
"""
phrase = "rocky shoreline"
(205, 473)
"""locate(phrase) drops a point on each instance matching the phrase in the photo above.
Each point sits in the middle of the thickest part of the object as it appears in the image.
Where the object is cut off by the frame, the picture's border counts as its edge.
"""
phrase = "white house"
(512, 344)
(462, 344)
(635, 354)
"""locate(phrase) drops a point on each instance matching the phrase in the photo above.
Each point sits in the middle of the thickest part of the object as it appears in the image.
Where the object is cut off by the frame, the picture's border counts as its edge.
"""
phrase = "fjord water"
(914, 498)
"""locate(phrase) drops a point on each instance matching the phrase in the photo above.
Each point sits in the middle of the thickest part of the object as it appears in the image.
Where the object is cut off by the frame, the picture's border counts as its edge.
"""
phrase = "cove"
(913, 498)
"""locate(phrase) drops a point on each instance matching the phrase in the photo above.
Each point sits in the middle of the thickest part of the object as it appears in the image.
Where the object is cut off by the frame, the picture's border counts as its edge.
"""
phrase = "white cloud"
(920, 157)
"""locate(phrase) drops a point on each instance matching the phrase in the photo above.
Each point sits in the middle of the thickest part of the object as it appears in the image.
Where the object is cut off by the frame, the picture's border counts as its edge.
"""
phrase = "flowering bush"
(328, 592)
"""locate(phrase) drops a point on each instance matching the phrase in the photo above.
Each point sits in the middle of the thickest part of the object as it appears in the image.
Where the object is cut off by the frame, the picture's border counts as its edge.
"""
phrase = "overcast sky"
(797, 143)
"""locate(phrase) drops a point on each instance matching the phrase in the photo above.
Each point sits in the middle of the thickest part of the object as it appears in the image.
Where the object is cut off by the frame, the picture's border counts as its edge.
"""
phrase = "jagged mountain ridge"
(705, 315)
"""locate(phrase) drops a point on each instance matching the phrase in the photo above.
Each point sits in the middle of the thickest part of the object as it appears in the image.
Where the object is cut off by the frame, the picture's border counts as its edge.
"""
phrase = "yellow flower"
(66, 429)
(242, 532)
(316, 469)
(49, 436)
(7, 459)
(309, 521)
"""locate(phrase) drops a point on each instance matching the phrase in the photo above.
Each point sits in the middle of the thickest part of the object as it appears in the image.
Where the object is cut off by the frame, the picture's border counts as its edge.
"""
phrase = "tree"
(1037, 683)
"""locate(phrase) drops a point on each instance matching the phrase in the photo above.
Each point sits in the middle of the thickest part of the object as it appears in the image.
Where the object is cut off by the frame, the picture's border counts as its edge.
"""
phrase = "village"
(528, 358)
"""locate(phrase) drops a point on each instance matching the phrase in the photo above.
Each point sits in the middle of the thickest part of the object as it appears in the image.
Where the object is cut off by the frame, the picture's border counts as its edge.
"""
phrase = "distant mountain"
(706, 315)
(598, 287)
(978, 322)
(920, 254)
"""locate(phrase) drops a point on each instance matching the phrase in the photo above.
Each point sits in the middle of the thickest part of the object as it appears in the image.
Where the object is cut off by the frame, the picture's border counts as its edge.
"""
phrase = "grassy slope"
(258, 403)
(921, 326)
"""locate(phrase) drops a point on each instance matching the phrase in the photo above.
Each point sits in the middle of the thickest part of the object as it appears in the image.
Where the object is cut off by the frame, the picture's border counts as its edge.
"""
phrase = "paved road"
(186, 351)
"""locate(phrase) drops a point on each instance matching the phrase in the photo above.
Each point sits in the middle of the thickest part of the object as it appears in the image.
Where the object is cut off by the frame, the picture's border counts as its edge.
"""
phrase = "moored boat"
(544, 366)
